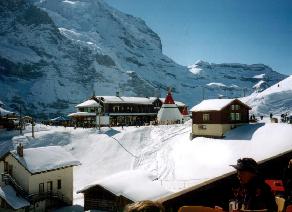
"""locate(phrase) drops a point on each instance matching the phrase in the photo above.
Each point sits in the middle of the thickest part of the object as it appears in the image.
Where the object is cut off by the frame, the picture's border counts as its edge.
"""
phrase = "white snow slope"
(164, 151)
(276, 99)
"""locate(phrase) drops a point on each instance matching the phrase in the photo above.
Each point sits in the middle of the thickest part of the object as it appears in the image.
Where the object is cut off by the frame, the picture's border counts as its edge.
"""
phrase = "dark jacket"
(287, 180)
(257, 195)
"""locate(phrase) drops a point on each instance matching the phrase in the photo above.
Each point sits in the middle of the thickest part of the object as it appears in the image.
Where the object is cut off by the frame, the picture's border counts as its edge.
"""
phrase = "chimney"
(20, 150)
(117, 94)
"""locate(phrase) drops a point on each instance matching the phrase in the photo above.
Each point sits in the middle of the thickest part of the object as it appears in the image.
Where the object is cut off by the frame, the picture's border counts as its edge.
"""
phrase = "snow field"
(165, 151)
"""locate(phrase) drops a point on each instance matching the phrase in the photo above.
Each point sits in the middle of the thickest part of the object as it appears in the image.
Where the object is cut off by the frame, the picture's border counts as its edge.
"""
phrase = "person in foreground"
(254, 193)
(144, 206)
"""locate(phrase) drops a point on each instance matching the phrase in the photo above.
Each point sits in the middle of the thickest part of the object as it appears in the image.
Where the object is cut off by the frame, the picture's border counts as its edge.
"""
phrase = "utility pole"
(20, 122)
(98, 111)
(32, 127)
(244, 91)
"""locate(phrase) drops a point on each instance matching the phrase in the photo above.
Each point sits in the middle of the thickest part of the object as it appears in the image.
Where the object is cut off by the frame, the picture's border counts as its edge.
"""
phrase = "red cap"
(169, 99)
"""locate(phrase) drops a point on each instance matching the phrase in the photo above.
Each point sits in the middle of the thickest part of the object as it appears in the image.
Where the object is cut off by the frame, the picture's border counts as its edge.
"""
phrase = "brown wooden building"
(213, 117)
(116, 191)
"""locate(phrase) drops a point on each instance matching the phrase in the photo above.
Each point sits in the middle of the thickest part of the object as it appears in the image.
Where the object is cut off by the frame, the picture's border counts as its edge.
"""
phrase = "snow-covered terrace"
(135, 185)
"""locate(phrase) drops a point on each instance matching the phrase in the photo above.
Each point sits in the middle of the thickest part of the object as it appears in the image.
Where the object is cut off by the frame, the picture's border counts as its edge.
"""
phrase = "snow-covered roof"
(129, 100)
(47, 158)
(4, 112)
(124, 99)
(81, 114)
(60, 118)
(135, 185)
(211, 104)
(179, 104)
(8, 193)
(88, 103)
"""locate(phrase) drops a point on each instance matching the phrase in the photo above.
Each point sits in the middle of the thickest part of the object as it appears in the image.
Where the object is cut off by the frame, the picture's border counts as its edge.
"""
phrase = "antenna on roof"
(92, 89)
(157, 92)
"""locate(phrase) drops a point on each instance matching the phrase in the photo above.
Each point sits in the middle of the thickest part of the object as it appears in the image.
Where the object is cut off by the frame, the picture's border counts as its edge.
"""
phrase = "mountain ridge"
(55, 54)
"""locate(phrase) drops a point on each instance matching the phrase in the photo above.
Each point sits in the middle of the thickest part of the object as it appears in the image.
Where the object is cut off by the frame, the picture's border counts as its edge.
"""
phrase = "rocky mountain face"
(56, 53)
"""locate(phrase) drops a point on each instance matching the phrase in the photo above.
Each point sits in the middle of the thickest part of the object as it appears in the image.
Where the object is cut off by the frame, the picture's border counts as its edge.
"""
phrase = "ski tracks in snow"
(156, 148)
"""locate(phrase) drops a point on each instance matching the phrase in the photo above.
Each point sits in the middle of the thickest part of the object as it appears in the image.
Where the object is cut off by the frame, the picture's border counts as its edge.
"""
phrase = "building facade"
(214, 117)
(116, 110)
(42, 176)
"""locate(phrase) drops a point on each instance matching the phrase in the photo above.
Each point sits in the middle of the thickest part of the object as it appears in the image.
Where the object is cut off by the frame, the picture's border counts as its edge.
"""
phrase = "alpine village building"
(214, 117)
(120, 110)
(36, 179)
(114, 192)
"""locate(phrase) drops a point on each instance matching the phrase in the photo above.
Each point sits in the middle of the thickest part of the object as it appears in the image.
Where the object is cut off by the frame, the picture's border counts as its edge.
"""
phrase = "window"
(10, 167)
(41, 188)
(49, 186)
(232, 107)
(206, 117)
(237, 107)
(59, 184)
(237, 116)
(232, 116)
(202, 127)
(5, 166)
(116, 108)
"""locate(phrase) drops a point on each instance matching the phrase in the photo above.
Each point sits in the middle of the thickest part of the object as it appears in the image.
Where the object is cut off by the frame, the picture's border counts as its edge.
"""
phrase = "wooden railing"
(8, 179)
(34, 197)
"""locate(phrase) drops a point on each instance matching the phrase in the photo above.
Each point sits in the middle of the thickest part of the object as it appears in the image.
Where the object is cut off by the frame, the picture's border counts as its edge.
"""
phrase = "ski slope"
(276, 99)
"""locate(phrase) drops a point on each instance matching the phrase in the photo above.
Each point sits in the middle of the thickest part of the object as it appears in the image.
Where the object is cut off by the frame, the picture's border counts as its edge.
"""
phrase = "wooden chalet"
(214, 117)
(115, 192)
(120, 110)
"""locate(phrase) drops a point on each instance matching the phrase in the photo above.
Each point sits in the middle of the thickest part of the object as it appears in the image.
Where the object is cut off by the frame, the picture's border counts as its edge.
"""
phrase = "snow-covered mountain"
(233, 79)
(54, 53)
(276, 99)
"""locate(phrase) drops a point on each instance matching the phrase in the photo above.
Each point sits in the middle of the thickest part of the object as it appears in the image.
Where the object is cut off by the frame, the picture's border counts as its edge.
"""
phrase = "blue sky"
(246, 31)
